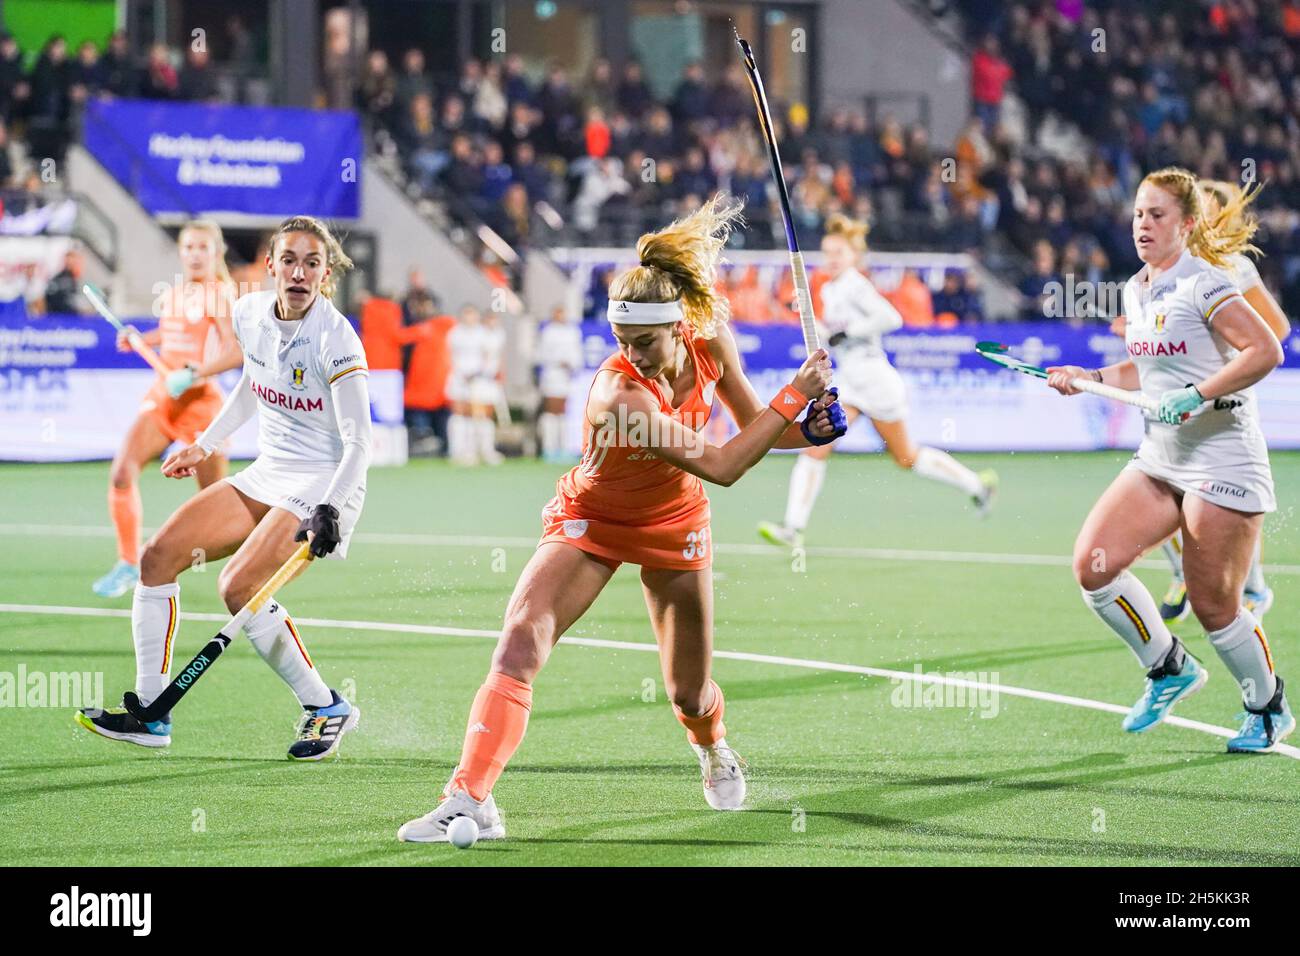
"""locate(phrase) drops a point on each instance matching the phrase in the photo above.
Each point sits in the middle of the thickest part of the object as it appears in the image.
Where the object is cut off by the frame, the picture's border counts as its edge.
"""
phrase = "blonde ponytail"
(1226, 206)
(852, 231)
(680, 261)
(1214, 238)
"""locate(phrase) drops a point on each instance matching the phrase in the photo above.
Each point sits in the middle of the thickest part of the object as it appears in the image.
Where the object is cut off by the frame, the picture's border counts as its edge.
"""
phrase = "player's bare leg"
(1218, 548)
(936, 465)
(208, 527)
(1133, 515)
(806, 479)
(550, 427)
(143, 443)
(326, 715)
(681, 612)
(557, 586)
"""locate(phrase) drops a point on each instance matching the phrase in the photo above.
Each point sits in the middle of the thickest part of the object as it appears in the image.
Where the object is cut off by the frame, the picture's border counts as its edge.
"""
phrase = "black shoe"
(119, 725)
(321, 729)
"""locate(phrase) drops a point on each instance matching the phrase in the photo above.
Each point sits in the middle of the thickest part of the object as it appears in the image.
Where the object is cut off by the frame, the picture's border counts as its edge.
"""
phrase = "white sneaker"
(432, 827)
(724, 781)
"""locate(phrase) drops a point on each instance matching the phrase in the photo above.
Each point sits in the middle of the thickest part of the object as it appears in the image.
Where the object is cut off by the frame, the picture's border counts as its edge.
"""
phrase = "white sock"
(1173, 549)
(1130, 611)
(940, 466)
(155, 619)
(485, 435)
(1243, 647)
(1255, 576)
(459, 439)
(277, 640)
(550, 428)
(805, 485)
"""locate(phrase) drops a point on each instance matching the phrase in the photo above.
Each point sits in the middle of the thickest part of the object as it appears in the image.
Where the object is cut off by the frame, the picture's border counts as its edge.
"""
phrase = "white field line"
(1063, 699)
(491, 541)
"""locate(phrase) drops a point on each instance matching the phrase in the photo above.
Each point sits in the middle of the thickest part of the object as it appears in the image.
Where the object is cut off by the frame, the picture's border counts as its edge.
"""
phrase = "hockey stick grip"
(803, 295)
(1125, 395)
(297, 561)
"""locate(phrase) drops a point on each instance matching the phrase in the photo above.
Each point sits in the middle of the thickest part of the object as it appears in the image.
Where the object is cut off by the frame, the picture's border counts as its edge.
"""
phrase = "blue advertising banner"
(962, 402)
(67, 394)
(192, 158)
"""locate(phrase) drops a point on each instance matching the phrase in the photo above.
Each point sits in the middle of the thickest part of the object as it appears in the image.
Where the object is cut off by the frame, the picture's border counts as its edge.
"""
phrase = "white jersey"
(1243, 271)
(465, 345)
(560, 345)
(290, 367)
(493, 343)
(1172, 342)
(851, 305)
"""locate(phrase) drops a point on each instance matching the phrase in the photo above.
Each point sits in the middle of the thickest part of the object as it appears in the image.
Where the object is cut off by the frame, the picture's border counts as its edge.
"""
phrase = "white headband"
(623, 312)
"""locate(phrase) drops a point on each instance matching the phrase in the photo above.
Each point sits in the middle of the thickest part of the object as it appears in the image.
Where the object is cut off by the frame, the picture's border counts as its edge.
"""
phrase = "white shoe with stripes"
(432, 827)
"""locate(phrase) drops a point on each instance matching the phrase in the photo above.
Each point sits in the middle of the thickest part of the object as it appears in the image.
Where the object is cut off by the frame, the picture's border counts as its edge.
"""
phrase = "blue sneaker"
(1258, 602)
(1165, 687)
(1263, 730)
(1174, 607)
(322, 728)
(122, 578)
(119, 725)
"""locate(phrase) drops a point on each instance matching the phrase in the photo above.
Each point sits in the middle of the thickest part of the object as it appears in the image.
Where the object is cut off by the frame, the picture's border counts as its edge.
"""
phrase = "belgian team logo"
(1159, 327)
(298, 382)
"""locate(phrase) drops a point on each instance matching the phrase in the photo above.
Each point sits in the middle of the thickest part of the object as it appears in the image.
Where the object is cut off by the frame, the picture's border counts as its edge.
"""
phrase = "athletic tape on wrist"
(788, 403)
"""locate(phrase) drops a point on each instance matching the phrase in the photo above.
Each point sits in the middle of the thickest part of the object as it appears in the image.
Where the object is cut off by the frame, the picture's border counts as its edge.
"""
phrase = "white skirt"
(554, 382)
(1229, 468)
(298, 489)
(873, 387)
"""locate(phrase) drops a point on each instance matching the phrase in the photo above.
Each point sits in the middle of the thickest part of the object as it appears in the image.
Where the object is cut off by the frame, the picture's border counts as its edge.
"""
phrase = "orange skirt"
(683, 544)
(182, 419)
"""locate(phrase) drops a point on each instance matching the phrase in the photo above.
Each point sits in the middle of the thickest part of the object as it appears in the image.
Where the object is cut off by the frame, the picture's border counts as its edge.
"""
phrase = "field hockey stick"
(997, 354)
(135, 339)
(803, 295)
(161, 705)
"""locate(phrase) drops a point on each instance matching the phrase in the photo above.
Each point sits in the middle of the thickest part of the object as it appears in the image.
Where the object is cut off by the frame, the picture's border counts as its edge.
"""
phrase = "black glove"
(839, 420)
(323, 523)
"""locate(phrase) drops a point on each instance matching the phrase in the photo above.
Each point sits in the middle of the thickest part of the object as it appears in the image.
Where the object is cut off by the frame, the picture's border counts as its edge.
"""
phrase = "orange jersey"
(189, 334)
(187, 323)
(625, 503)
(617, 482)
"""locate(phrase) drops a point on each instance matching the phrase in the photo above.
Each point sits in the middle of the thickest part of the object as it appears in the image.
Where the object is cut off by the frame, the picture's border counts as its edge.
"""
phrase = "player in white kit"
(1197, 347)
(475, 348)
(1218, 196)
(855, 316)
(559, 356)
(305, 375)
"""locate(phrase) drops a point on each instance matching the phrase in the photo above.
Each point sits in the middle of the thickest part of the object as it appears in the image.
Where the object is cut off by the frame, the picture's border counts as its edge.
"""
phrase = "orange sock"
(497, 722)
(127, 512)
(707, 728)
